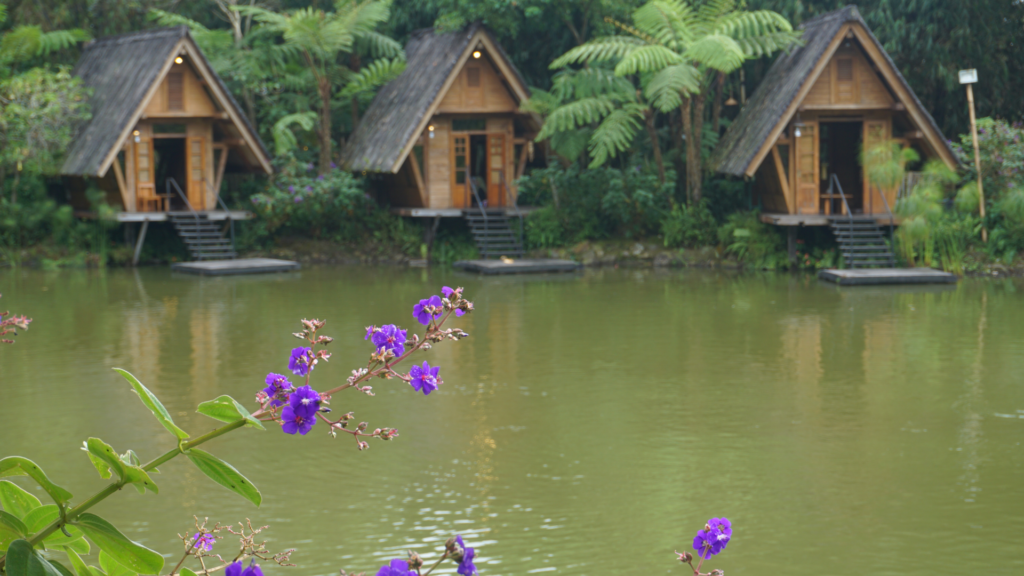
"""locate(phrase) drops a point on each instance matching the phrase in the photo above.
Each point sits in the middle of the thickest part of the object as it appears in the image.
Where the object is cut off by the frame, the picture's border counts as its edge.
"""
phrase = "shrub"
(752, 241)
(689, 226)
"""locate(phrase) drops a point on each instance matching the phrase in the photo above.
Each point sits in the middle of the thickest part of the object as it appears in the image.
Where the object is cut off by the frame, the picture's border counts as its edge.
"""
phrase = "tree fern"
(665, 21)
(599, 50)
(371, 77)
(284, 139)
(666, 88)
(576, 114)
(615, 134)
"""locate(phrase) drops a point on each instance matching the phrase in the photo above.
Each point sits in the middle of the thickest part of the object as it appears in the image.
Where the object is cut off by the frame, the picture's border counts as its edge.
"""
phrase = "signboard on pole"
(968, 76)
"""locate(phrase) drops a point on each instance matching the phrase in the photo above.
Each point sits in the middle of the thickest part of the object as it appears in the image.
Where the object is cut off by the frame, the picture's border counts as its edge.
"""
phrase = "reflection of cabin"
(817, 107)
(451, 116)
(159, 114)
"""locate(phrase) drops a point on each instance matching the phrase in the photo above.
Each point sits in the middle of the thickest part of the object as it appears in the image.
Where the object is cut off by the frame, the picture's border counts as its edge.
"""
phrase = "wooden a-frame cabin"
(159, 113)
(817, 108)
(452, 116)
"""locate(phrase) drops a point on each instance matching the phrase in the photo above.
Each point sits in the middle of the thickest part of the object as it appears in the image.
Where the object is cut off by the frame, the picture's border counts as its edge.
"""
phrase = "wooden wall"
(479, 91)
(194, 99)
(848, 82)
(438, 161)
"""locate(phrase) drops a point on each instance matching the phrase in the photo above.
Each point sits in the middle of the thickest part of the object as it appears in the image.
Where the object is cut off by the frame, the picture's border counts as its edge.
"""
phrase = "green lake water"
(590, 424)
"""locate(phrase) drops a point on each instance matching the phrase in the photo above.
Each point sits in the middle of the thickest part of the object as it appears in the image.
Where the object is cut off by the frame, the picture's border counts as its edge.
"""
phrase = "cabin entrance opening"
(478, 166)
(840, 145)
(169, 161)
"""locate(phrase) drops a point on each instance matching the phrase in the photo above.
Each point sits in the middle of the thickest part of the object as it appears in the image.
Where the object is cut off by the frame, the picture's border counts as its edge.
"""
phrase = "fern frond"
(60, 39)
(571, 144)
(284, 139)
(711, 11)
(381, 46)
(540, 102)
(575, 114)
(665, 21)
(599, 50)
(765, 45)
(3, 13)
(647, 59)
(615, 134)
(377, 74)
(666, 88)
(751, 24)
(596, 81)
(717, 52)
(164, 18)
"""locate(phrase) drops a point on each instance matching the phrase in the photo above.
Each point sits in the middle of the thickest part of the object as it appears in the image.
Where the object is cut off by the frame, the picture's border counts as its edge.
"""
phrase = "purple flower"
(333, 166)
(320, 177)
(305, 401)
(447, 291)
(722, 529)
(291, 189)
(298, 199)
(427, 309)
(255, 200)
(295, 422)
(234, 569)
(391, 338)
(277, 389)
(309, 167)
(396, 568)
(369, 332)
(309, 188)
(299, 362)
(204, 541)
(252, 570)
(706, 544)
(425, 378)
(466, 566)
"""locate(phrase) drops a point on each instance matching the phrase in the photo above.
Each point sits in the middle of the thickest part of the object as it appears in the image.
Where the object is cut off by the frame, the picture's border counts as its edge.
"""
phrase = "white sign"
(968, 76)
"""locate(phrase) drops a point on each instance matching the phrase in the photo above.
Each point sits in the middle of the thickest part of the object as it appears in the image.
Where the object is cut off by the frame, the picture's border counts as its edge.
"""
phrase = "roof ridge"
(848, 12)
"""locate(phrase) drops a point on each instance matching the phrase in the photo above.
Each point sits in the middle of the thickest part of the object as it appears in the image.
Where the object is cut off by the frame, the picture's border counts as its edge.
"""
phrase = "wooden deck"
(458, 212)
(518, 266)
(163, 216)
(240, 266)
(777, 219)
(875, 276)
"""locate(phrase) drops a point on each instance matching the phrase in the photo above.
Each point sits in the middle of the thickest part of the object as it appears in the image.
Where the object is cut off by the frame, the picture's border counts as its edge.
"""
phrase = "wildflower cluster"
(708, 542)
(9, 324)
(297, 408)
(454, 549)
(199, 546)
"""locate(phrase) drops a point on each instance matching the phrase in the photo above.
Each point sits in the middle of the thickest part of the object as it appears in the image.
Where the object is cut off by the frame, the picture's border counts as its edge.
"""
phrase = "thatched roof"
(395, 116)
(768, 105)
(121, 71)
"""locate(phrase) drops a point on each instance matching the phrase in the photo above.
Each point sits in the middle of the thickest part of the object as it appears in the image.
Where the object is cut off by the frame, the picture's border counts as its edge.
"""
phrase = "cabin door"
(146, 198)
(876, 133)
(196, 169)
(460, 165)
(807, 168)
(495, 169)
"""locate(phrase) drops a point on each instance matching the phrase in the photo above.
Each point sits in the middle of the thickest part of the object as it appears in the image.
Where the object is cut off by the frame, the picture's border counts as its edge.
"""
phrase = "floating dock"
(874, 276)
(240, 266)
(518, 266)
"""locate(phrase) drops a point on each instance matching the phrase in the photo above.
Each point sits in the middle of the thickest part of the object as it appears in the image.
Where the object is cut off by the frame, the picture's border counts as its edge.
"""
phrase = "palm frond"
(647, 59)
(575, 114)
(284, 139)
(717, 52)
(599, 50)
(371, 77)
(666, 88)
(615, 133)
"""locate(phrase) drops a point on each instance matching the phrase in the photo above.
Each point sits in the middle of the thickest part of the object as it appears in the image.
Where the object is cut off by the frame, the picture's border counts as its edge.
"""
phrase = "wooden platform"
(776, 219)
(873, 276)
(518, 266)
(240, 266)
(215, 215)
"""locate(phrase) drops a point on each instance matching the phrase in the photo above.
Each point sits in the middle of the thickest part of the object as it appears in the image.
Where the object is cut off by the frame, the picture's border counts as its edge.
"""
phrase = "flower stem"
(77, 511)
(436, 564)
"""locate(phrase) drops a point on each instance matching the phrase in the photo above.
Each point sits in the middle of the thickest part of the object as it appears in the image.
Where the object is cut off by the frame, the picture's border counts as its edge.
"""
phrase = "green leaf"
(186, 572)
(79, 565)
(224, 474)
(41, 517)
(61, 568)
(11, 529)
(227, 409)
(22, 560)
(18, 466)
(138, 476)
(127, 553)
(81, 545)
(112, 567)
(102, 451)
(153, 403)
(15, 500)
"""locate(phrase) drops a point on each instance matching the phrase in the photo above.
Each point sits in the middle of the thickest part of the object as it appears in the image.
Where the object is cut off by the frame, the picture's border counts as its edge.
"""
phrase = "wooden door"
(876, 133)
(495, 169)
(460, 170)
(807, 169)
(146, 199)
(196, 169)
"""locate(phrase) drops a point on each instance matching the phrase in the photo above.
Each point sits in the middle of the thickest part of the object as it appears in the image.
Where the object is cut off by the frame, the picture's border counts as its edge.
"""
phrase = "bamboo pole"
(977, 163)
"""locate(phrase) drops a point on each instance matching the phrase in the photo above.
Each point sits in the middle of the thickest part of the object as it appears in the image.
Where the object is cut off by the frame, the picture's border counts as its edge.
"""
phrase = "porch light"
(797, 125)
(136, 134)
(178, 60)
(731, 101)
(431, 130)
(476, 54)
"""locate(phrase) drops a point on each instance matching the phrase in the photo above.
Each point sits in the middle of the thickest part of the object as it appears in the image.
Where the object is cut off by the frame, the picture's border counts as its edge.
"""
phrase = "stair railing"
(889, 212)
(227, 212)
(515, 207)
(172, 183)
(833, 182)
(480, 205)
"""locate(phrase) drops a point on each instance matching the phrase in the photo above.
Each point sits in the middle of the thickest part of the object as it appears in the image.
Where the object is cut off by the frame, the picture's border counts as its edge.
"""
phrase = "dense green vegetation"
(632, 93)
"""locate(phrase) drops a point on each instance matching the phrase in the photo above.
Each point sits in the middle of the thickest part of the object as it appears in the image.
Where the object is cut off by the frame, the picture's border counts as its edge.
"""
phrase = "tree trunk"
(716, 108)
(325, 125)
(250, 108)
(355, 64)
(695, 170)
(655, 145)
(687, 119)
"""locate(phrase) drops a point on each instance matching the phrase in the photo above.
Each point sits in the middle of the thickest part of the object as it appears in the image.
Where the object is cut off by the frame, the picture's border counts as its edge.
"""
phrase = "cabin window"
(169, 129)
(460, 158)
(844, 70)
(196, 160)
(175, 91)
(469, 125)
(473, 77)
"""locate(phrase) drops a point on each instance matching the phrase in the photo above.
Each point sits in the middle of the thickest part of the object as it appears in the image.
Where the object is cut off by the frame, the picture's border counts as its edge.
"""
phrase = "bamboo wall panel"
(477, 88)
(848, 81)
(439, 174)
(195, 101)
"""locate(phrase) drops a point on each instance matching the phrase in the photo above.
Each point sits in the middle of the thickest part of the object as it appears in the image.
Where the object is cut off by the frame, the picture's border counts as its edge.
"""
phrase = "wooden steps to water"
(861, 242)
(876, 276)
(518, 266)
(493, 233)
(232, 267)
(203, 237)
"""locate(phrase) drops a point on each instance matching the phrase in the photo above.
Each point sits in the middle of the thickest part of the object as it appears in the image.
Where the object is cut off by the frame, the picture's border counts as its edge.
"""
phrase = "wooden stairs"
(494, 234)
(204, 238)
(862, 242)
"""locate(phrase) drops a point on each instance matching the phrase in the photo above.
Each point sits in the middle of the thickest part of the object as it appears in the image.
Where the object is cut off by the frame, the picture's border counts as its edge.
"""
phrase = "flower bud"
(415, 562)
(685, 557)
(362, 426)
(717, 572)
(363, 446)
(450, 545)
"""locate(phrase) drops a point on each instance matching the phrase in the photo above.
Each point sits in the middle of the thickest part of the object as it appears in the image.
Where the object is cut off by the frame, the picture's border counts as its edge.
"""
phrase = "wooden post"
(977, 163)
